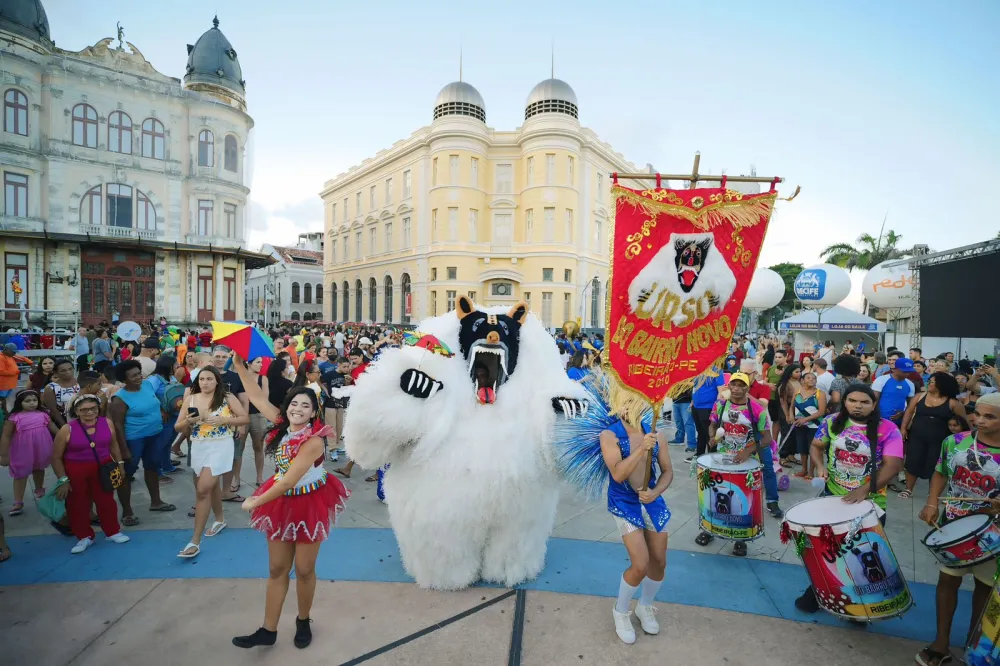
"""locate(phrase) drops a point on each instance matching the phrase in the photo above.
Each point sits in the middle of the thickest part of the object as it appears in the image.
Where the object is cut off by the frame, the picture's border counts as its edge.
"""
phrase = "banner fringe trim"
(741, 213)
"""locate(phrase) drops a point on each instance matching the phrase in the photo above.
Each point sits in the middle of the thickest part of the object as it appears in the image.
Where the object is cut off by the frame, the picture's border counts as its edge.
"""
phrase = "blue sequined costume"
(579, 457)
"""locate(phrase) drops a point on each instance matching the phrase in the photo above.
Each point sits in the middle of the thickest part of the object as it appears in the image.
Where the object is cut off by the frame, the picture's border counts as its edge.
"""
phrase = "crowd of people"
(94, 416)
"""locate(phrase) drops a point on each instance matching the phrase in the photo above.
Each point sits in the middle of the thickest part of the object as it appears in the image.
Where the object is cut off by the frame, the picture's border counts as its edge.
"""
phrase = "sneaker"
(775, 510)
(119, 538)
(807, 603)
(690, 450)
(647, 618)
(673, 443)
(260, 637)
(623, 626)
(82, 545)
(334, 457)
(303, 633)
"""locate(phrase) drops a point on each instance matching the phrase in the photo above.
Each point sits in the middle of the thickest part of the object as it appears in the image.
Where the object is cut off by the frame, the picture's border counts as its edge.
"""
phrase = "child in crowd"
(26, 446)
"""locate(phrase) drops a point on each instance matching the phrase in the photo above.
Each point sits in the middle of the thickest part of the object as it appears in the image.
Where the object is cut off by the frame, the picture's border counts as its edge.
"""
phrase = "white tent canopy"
(835, 319)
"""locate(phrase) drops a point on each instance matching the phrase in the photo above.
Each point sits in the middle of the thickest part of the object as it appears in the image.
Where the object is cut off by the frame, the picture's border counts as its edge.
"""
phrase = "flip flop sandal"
(130, 521)
(166, 480)
(17, 509)
(703, 539)
(371, 479)
(342, 473)
(236, 489)
(5, 554)
(215, 529)
(186, 555)
(905, 494)
(934, 658)
(235, 498)
(163, 508)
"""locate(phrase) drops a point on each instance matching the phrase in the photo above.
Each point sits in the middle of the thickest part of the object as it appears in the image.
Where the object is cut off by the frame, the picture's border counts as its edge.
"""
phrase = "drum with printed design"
(965, 541)
(848, 558)
(730, 497)
(984, 646)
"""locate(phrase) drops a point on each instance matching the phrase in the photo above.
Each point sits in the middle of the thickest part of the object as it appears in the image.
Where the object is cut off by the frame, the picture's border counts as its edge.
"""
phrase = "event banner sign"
(681, 264)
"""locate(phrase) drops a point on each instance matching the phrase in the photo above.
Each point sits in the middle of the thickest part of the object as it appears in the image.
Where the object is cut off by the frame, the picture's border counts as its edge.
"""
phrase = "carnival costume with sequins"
(307, 512)
(579, 456)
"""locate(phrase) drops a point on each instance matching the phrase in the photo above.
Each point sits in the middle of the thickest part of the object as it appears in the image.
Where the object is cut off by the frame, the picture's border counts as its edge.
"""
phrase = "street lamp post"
(583, 297)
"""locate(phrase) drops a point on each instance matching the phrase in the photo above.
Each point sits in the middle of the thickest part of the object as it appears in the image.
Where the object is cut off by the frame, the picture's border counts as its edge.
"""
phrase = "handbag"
(109, 473)
(51, 506)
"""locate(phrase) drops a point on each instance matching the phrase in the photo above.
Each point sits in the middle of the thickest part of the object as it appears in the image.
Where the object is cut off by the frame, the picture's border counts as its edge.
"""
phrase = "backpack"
(173, 397)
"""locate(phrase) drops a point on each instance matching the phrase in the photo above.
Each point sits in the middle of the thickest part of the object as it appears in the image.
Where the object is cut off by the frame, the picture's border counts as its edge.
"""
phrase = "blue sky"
(872, 107)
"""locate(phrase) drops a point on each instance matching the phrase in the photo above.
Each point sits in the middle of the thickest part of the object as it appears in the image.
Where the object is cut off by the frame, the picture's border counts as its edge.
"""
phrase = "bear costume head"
(489, 344)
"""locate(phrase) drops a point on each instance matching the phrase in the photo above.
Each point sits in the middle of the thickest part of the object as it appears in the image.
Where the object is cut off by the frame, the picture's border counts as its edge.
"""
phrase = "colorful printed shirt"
(850, 455)
(736, 423)
(972, 471)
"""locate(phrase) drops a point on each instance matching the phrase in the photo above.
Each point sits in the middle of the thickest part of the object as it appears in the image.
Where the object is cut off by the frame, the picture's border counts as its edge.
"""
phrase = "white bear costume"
(472, 488)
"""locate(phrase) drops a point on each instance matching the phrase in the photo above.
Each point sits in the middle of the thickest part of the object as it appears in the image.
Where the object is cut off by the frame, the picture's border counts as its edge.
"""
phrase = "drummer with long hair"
(844, 457)
(969, 468)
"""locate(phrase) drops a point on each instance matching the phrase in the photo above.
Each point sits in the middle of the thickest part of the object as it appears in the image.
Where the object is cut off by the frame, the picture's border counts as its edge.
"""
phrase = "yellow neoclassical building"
(460, 208)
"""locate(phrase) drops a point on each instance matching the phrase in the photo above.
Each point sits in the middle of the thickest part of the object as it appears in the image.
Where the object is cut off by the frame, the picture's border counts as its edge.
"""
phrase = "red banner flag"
(681, 264)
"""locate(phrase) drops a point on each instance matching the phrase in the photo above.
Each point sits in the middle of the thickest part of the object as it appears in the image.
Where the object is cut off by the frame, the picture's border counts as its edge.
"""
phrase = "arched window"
(206, 149)
(154, 139)
(84, 126)
(145, 213)
(388, 299)
(404, 291)
(120, 133)
(90, 207)
(295, 316)
(295, 292)
(120, 206)
(15, 112)
(307, 295)
(347, 301)
(319, 294)
(231, 158)
(333, 301)
(373, 300)
(595, 303)
(358, 301)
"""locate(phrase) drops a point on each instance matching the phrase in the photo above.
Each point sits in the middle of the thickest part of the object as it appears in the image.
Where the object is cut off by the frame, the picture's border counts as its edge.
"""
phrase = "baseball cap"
(739, 377)
(151, 343)
(10, 347)
(904, 364)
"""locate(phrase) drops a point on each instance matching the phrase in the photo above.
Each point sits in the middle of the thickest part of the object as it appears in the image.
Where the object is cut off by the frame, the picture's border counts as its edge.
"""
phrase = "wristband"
(933, 506)
(63, 479)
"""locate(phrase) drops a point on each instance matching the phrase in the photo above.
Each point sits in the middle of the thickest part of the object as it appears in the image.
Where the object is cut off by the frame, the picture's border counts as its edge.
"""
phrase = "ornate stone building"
(123, 187)
(459, 208)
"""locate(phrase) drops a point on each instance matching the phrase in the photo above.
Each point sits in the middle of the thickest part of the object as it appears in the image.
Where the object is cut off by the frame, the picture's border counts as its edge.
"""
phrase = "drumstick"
(962, 499)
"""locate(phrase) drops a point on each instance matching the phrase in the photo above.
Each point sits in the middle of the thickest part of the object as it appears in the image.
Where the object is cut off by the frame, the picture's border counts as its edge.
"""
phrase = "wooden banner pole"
(650, 458)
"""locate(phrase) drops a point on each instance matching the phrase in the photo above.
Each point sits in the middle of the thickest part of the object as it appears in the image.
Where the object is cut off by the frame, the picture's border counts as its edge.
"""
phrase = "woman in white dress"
(213, 415)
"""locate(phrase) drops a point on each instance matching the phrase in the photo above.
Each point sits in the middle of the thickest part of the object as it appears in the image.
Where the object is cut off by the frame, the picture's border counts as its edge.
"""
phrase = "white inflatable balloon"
(766, 290)
(889, 286)
(822, 285)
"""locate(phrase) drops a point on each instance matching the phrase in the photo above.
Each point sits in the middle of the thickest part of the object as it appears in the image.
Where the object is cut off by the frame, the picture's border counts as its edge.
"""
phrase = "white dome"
(551, 96)
(460, 99)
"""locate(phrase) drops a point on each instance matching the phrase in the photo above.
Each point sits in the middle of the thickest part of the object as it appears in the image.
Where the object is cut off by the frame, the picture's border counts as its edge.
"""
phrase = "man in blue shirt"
(702, 401)
(894, 390)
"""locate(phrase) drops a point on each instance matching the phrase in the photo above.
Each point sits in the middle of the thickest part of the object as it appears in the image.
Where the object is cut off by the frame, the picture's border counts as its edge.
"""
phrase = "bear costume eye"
(503, 325)
(475, 324)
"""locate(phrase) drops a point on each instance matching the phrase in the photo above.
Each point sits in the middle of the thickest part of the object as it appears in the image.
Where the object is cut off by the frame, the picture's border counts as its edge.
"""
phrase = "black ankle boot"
(260, 637)
(303, 633)
(808, 603)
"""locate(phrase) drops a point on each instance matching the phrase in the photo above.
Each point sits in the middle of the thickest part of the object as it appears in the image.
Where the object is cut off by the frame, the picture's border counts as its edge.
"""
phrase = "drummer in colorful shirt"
(844, 440)
(741, 427)
(969, 468)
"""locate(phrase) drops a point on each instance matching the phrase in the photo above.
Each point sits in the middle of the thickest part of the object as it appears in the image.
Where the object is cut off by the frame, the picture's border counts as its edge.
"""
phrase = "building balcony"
(11, 223)
(120, 232)
(215, 241)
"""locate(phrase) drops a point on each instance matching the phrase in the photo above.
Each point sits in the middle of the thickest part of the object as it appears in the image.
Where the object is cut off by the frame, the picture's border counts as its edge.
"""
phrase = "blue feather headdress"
(578, 441)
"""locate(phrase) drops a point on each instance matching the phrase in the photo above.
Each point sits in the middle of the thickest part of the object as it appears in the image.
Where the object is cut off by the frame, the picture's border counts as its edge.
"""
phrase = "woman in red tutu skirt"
(295, 509)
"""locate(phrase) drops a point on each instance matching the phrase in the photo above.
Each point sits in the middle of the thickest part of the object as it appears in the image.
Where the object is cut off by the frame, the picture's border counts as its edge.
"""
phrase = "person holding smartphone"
(212, 415)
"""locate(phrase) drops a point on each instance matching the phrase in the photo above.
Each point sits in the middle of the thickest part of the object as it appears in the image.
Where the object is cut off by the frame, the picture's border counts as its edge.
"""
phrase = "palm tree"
(868, 253)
